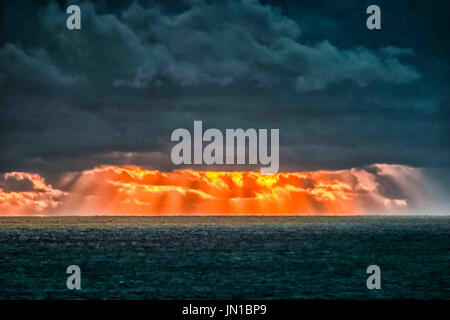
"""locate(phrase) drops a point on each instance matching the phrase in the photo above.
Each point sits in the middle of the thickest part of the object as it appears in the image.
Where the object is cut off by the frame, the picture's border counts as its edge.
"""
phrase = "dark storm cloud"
(35, 65)
(341, 95)
(219, 44)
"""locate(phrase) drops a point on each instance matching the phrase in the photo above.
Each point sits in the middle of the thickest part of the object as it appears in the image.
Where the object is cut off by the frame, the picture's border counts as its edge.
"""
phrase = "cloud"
(135, 72)
(40, 198)
(261, 45)
(207, 44)
(133, 190)
(327, 65)
(32, 67)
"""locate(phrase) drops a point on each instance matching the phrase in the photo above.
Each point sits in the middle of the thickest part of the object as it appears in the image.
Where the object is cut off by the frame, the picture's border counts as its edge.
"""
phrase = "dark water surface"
(225, 257)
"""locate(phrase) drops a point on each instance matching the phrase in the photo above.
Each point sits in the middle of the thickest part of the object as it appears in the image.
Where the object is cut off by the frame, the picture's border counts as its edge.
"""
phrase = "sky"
(363, 114)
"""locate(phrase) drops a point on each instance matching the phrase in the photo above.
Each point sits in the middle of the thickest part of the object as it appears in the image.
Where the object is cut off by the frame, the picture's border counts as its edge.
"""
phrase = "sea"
(216, 257)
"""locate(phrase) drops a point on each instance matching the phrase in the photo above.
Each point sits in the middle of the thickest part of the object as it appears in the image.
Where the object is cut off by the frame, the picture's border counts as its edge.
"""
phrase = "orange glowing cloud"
(132, 190)
(40, 199)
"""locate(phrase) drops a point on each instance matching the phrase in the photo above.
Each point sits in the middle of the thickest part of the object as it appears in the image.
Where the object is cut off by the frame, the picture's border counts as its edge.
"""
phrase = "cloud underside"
(132, 190)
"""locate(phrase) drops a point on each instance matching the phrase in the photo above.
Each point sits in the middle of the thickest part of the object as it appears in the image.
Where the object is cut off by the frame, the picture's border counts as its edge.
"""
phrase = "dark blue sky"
(342, 95)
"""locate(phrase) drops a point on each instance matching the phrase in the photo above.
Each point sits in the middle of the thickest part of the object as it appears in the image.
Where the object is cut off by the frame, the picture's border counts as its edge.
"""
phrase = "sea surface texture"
(225, 257)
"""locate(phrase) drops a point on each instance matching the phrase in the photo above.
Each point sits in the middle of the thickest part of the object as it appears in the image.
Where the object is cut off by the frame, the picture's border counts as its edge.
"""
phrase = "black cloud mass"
(342, 95)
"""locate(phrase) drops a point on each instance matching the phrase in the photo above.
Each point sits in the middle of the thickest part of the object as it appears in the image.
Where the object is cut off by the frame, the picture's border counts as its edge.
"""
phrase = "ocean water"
(225, 257)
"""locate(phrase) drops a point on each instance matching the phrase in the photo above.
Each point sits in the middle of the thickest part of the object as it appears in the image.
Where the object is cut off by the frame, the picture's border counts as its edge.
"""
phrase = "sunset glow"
(132, 190)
